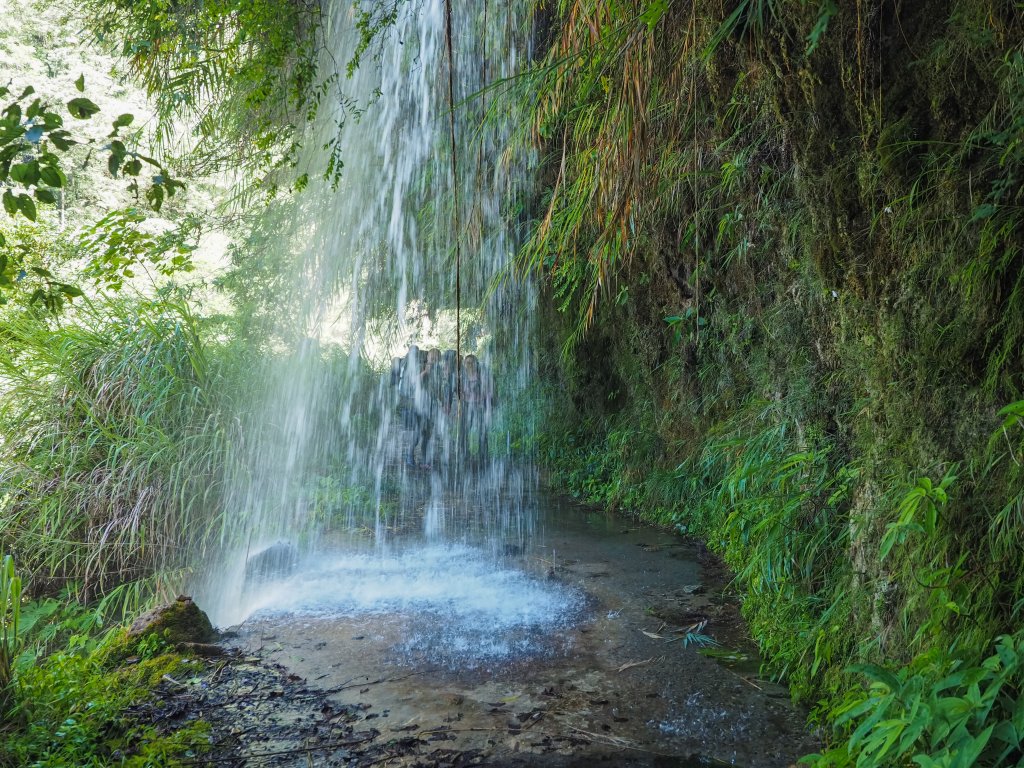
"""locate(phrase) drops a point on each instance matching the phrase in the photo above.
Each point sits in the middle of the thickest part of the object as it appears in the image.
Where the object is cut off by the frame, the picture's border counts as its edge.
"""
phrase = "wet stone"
(495, 665)
(278, 560)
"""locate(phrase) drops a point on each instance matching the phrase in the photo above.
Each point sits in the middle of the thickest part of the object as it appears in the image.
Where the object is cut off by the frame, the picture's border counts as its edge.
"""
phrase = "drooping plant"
(233, 80)
(813, 326)
(10, 610)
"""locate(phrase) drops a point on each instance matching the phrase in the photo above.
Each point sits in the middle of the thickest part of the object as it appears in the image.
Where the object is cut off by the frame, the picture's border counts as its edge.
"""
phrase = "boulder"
(179, 622)
(277, 560)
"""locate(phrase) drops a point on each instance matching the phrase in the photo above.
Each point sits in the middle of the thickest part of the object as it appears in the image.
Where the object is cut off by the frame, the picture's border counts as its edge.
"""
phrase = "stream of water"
(409, 244)
(572, 653)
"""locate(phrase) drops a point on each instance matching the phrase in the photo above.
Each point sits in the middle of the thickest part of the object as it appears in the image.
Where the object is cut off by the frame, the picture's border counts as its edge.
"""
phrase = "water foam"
(456, 606)
(450, 580)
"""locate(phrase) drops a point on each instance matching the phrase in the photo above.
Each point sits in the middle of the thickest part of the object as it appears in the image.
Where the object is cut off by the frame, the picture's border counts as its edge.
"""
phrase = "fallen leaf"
(693, 627)
(631, 664)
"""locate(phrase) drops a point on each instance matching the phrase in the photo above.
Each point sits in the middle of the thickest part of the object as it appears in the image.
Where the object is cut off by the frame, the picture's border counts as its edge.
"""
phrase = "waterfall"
(378, 266)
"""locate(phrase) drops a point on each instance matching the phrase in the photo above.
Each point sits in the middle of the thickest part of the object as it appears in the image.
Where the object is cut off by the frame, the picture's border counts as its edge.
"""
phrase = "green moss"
(181, 621)
(72, 708)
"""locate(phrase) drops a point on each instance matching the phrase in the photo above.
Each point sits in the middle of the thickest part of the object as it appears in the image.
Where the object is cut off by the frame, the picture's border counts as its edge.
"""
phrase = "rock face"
(179, 622)
(280, 559)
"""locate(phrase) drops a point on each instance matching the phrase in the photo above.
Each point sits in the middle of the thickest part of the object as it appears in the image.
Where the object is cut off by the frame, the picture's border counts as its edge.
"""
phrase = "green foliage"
(10, 614)
(935, 714)
(924, 501)
(813, 239)
(749, 17)
(35, 166)
(339, 504)
(624, 112)
(115, 437)
(827, 9)
(117, 245)
(37, 265)
(373, 20)
(78, 700)
(239, 74)
(33, 137)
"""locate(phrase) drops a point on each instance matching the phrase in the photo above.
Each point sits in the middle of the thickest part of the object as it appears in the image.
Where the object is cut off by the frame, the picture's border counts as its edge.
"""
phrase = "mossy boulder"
(179, 622)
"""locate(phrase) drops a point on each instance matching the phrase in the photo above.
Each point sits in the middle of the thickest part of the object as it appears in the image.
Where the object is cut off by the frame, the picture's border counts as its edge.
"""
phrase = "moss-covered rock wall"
(782, 247)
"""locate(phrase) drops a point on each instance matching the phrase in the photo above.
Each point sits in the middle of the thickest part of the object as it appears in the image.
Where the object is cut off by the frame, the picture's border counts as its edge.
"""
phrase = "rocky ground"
(621, 684)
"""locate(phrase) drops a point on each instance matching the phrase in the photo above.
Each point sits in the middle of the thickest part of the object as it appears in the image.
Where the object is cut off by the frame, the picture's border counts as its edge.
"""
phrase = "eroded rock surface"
(619, 682)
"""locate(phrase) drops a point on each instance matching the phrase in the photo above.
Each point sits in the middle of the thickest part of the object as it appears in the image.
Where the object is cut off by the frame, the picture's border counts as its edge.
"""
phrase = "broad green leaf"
(82, 108)
(52, 175)
(80, 84)
(968, 755)
(892, 532)
(27, 206)
(653, 13)
(984, 211)
(878, 674)
(62, 140)
(155, 196)
(25, 173)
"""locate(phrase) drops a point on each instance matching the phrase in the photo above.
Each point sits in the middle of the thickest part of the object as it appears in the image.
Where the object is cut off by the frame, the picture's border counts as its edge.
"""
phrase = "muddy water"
(573, 651)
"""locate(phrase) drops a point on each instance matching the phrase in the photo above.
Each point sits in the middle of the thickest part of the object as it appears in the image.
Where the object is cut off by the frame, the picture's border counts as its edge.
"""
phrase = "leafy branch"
(918, 512)
(34, 147)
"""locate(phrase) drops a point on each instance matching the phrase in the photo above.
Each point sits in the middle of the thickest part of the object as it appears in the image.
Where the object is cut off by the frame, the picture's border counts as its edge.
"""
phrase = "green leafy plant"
(117, 245)
(749, 16)
(121, 440)
(917, 512)
(10, 612)
(78, 703)
(35, 167)
(935, 713)
(33, 138)
(241, 74)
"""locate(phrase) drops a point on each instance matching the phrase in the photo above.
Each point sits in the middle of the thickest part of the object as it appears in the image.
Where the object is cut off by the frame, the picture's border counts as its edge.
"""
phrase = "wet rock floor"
(618, 682)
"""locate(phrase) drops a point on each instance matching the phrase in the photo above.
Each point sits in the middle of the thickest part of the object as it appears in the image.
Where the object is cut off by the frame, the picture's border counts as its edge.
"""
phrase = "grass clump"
(116, 437)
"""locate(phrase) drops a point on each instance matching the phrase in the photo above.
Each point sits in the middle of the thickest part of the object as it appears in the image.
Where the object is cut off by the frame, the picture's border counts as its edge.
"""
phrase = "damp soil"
(619, 680)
